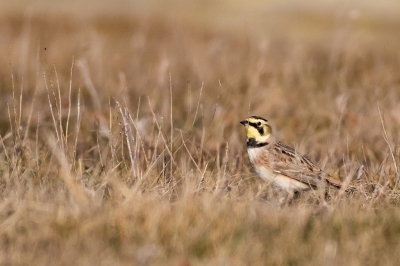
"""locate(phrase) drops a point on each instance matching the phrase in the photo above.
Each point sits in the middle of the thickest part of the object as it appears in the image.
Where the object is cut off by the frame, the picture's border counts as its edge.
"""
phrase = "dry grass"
(121, 143)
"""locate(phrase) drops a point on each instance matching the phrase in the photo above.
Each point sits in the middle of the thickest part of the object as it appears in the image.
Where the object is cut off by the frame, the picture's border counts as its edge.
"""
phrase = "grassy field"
(121, 143)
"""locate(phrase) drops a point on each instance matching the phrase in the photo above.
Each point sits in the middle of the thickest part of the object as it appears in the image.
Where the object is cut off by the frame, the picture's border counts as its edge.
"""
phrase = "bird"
(281, 165)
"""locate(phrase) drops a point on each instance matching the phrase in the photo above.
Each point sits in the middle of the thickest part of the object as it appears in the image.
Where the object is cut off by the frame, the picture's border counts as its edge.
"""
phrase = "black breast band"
(251, 143)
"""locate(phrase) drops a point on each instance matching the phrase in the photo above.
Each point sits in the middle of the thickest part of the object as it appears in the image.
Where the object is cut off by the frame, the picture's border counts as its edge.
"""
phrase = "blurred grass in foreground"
(121, 141)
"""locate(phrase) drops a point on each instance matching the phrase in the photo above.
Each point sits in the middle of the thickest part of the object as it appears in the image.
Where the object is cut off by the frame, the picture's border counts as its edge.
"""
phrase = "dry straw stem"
(129, 138)
(385, 136)
(69, 103)
(68, 194)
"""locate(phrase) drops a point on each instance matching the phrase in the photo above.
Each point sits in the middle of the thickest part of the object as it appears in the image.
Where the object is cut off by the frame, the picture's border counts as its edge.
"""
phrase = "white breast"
(267, 174)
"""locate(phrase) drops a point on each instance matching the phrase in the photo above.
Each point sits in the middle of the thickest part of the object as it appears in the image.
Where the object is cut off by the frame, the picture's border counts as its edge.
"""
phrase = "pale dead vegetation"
(121, 143)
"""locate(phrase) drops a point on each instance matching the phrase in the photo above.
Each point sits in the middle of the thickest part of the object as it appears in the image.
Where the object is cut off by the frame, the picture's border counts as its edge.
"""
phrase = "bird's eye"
(258, 124)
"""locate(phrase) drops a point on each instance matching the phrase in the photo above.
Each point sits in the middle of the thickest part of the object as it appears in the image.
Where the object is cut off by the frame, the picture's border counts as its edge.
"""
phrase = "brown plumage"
(275, 162)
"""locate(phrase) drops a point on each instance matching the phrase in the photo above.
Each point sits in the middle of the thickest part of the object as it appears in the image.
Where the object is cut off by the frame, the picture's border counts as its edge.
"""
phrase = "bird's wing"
(288, 162)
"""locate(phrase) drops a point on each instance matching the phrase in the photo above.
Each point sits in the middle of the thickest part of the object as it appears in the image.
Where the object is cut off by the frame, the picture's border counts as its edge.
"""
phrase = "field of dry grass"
(121, 143)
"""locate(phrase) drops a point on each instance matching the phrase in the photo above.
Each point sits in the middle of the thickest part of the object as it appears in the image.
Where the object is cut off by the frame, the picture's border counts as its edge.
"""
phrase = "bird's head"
(258, 130)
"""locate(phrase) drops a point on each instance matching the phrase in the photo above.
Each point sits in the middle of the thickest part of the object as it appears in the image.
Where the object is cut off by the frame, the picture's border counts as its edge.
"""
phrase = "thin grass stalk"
(69, 102)
(58, 106)
(51, 109)
(126, 131)
(78, 125)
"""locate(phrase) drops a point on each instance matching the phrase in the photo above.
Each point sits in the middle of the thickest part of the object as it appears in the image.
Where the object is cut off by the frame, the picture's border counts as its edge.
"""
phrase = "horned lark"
(279, 164)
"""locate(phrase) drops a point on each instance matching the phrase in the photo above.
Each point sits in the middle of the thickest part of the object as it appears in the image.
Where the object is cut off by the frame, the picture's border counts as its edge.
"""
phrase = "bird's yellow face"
(258, 130)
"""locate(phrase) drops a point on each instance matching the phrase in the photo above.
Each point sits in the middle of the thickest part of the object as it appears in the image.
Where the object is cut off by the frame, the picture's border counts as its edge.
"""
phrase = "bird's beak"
(244, 122)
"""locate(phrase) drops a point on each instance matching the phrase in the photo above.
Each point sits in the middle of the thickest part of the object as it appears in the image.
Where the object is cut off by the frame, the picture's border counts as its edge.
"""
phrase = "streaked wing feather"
(292, 164)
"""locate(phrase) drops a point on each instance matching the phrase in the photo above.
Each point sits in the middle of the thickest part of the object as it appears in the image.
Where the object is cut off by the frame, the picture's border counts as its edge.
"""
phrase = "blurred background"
(241, 44)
